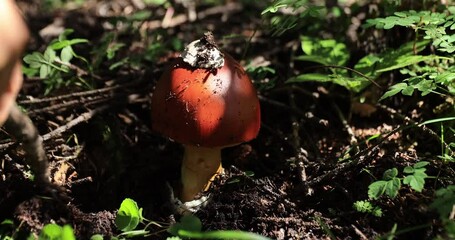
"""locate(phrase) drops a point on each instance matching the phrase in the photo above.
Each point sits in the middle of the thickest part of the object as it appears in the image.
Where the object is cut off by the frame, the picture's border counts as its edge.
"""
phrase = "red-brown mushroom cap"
(206, 107)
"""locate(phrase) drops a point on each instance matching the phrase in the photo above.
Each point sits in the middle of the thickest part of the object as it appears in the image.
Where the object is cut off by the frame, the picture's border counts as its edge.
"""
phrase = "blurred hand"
(13, 39)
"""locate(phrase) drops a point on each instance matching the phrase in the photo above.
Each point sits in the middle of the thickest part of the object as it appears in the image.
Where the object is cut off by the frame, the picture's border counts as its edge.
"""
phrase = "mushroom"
(205, 101)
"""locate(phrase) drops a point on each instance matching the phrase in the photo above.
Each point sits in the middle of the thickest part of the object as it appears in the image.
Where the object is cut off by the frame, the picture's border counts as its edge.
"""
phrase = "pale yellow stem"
(200, 166)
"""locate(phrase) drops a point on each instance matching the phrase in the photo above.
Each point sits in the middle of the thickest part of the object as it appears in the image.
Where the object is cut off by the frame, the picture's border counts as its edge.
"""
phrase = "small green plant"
(280, 23)
(129, 216)
(54, 65)
(390, 184)
(433, 25)
(54, 231)
(443, 204)
(438, 74)
(264, 75)
(190, 226)
(6, 227)
(365, 206)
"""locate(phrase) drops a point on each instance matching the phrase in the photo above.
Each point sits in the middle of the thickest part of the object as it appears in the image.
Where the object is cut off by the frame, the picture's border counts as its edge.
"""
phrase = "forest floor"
(294, 181)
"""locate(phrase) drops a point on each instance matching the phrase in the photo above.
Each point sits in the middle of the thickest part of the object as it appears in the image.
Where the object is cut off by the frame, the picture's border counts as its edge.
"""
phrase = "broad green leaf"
(408, 91)
(408, 170)
(368, 64)
(313, 58)
(354, 84)
(51, 232)
(376, 189)
(44, 71)
(66, 54)
(97, 237)
(444, 201)
(421, 164)
(49, 55)
(405, 61)
(34, 60)
(414, 182)
(389, 174)
(323, 51)
(128, 215)
(67, 233)
(445, 77)
(392, 187)
(393, 90)
(188, 223)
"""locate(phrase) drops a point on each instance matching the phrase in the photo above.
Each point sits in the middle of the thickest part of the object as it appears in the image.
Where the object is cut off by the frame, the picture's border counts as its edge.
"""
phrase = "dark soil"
(301, 188)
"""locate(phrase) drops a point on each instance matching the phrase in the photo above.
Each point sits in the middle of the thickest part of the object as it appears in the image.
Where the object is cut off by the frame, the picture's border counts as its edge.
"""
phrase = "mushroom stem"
(200, 166)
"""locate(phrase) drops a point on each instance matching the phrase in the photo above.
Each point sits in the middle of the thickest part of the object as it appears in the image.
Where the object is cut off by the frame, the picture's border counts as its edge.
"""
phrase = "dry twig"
(21, 127)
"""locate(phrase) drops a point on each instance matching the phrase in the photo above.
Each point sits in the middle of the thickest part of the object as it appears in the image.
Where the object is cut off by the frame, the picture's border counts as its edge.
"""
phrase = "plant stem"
(200, 166)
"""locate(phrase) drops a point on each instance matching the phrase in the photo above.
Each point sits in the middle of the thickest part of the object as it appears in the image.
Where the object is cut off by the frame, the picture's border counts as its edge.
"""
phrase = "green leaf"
(368, 64)
(367, 207)
(66, 54)
(415, 182)
(140, 15)
(376, 189)
(313, 58)
(392, 187)
(51, 232)
(65, 43)
(354, 84)
(7, 222)
(235, 234)
(408, 91)
(394, 90)
(390, 174)
(128, 215)
(97, 237)
(310, 77)
(421, 164)
(408, 170)
(44, 71)
(323, 51)
(65, 34)
(444, 201)
(405, 61)
(34, 60)
(67, 233)
(445, 77)
(112, 49)
(187, 223)
(417, 175)
(49, 55)
(363, 206)
(134, 233)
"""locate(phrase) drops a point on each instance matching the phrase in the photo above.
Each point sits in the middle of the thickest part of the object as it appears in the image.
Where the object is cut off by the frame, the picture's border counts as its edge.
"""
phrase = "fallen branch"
(82, 118)
(23, 130)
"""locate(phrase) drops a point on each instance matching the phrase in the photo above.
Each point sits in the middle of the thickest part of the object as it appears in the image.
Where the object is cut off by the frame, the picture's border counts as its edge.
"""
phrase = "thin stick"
(72, 95)
(352, 139)
(300, 153)
(22, 128)
(82, 118)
